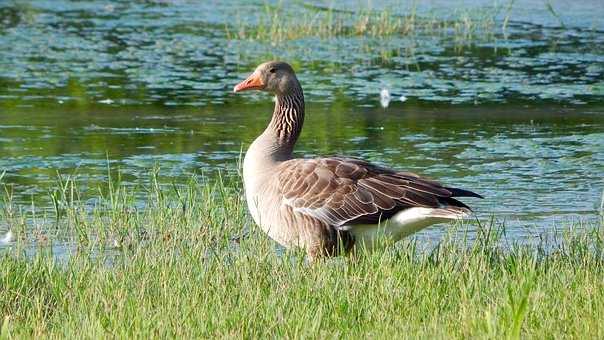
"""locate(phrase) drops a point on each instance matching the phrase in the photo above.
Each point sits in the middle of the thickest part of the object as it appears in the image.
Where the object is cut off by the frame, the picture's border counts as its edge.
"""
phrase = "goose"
(330, 206)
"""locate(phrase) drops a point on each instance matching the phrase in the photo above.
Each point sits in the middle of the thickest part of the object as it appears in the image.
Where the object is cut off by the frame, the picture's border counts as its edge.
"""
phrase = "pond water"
(505, 100)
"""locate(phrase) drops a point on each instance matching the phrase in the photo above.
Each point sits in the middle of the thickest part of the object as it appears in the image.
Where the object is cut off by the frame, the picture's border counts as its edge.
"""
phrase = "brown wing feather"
(341, 191)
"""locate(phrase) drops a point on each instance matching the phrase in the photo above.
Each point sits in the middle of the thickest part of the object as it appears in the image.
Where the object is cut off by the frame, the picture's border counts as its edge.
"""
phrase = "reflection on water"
(536, 166)
(516, 114)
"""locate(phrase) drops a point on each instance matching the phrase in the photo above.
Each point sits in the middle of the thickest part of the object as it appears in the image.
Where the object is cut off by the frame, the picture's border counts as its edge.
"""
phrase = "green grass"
(281, 22)
(168, 266)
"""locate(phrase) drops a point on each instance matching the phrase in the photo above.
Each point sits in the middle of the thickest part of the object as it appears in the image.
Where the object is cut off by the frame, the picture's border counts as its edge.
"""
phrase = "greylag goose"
(330, 205)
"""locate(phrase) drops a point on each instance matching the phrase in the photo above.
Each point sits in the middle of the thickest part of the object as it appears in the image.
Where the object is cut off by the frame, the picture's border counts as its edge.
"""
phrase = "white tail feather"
(403, 224)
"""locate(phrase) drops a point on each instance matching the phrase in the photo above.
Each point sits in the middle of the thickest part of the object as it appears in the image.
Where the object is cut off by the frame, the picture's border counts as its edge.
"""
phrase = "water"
(516, 114)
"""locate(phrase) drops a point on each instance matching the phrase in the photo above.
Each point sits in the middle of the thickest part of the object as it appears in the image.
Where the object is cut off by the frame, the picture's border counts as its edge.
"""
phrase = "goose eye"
(272, 70)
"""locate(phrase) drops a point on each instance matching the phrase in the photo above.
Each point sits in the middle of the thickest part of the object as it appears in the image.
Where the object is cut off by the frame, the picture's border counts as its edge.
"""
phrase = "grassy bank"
(173, 263)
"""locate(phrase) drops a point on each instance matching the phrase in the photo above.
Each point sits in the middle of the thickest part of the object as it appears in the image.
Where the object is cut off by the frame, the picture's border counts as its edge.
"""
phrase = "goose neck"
(286, 123)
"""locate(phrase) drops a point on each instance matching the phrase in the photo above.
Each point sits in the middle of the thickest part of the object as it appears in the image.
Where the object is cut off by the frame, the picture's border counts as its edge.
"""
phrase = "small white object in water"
(385, 97)
(106, 101)
(8, 237)
(403, 99)
(602, 204)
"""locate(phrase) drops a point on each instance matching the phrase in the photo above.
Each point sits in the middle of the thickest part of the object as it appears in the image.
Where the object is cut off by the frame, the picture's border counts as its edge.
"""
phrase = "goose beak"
(253, 82)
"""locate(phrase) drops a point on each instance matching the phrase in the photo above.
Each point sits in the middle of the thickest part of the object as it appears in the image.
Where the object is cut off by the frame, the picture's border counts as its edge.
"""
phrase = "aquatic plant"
(279, 23)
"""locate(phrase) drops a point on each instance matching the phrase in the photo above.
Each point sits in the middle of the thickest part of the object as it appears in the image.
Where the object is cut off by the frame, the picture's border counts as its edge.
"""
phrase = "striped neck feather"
(286, 123)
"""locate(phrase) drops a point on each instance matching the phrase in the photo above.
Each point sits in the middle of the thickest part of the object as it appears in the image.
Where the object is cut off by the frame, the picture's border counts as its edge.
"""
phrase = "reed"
(277, 23)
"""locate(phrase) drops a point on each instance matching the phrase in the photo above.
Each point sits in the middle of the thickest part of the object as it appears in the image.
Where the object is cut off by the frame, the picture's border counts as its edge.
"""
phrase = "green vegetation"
(279, 23)
(179, 263)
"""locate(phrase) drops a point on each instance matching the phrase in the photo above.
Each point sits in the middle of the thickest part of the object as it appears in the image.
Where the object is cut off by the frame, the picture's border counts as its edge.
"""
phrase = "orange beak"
(253, 82)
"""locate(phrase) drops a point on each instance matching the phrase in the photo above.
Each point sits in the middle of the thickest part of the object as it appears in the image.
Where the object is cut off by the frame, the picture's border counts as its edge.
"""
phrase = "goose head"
(276, 77)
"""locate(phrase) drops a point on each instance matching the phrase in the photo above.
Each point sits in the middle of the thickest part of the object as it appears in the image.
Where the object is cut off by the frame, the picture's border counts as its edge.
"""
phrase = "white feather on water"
(8, 237)
(385, 97)
(106, 101)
